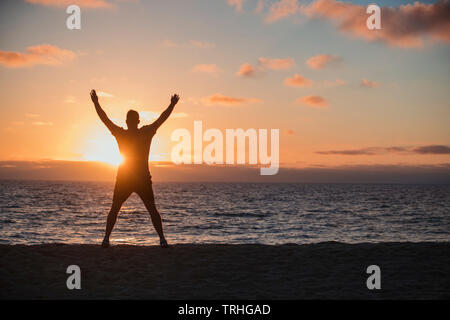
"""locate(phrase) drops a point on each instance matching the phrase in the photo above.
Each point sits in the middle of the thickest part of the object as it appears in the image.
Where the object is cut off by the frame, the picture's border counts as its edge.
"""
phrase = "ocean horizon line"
(229, 182)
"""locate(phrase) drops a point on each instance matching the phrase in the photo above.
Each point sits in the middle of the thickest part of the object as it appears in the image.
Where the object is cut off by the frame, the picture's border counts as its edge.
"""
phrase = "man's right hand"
(94, 97)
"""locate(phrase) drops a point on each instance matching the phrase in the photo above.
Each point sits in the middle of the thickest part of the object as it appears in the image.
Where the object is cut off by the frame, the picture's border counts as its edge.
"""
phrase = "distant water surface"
(33, 212)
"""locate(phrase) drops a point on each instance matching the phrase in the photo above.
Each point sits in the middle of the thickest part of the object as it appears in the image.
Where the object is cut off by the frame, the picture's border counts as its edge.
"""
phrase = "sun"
(103, 147)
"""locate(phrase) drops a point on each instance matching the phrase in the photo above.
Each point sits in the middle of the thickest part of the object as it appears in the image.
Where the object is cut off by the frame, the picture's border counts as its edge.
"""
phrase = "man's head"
(132, 119)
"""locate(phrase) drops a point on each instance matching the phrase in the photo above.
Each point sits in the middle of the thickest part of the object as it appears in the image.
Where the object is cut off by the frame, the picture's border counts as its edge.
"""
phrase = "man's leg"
(119, 198)
(146, 194)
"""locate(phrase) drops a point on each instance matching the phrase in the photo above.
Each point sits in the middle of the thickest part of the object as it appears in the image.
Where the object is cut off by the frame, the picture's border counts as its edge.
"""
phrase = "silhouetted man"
(133, 174)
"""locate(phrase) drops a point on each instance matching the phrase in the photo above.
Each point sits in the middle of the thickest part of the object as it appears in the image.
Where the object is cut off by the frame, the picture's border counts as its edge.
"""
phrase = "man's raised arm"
(102, 114)
(163, 117)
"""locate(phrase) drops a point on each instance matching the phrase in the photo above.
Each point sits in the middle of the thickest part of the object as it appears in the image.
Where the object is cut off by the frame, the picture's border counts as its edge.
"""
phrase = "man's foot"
(163, 243)
(105, 243)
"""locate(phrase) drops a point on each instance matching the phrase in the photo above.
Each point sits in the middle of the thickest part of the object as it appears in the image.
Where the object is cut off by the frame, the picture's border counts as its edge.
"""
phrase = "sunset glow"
(339, 94)
(103, 148)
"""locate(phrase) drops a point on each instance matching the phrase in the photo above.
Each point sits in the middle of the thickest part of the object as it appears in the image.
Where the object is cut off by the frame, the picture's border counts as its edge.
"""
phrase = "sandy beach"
(315, 271)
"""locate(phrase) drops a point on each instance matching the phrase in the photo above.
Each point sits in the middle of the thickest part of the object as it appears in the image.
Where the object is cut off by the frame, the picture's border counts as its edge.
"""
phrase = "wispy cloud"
(282, 9)
(151, 115)
(369, 84)
(237, 4)
(260, 6)
(93, 4)
(42, 123)
(313, 101)
(168, 44)
(148, 115)
(322, 60)
(247, 70)
(207, 68)
(276, 64)
(430, 149)
(43, 54)
(105, 94)
(222, 100)
(202, 44)
(167, 171)
(404, 26)
(353, 152)
(179, 115)
(289, 132)
(298, 81)
(263, 64)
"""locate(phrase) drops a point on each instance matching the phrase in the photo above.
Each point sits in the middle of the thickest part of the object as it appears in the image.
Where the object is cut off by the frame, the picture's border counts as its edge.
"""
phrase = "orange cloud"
(41, 54)
(104, 94)
(246, 70)
(42, 123)
(282, 9)
(206, 68)
(220, 99)
(428, 149)
(355, 152)
(298, 81)
(168, 44)
(322, 60)
(432, 149)
(64, 3)
(203, 45)
(404, 26)
(237, 4)
(167, 171)
(276, 64)
(313, 101)
(151, 115)
(289, 132)
(369, 84)
(260, 6)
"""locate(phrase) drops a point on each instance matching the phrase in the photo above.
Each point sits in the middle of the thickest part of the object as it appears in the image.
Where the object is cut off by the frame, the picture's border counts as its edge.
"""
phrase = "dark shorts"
(124, 187)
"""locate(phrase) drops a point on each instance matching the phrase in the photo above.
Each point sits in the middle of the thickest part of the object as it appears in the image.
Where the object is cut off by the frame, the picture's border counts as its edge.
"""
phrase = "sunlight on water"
(75, 212)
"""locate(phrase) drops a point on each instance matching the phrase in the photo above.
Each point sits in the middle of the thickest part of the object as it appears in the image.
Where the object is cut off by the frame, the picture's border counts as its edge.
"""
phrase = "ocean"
(36, 212)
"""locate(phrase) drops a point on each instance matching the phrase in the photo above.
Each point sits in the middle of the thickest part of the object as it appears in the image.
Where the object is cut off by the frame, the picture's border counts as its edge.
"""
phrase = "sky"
(340, 94)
